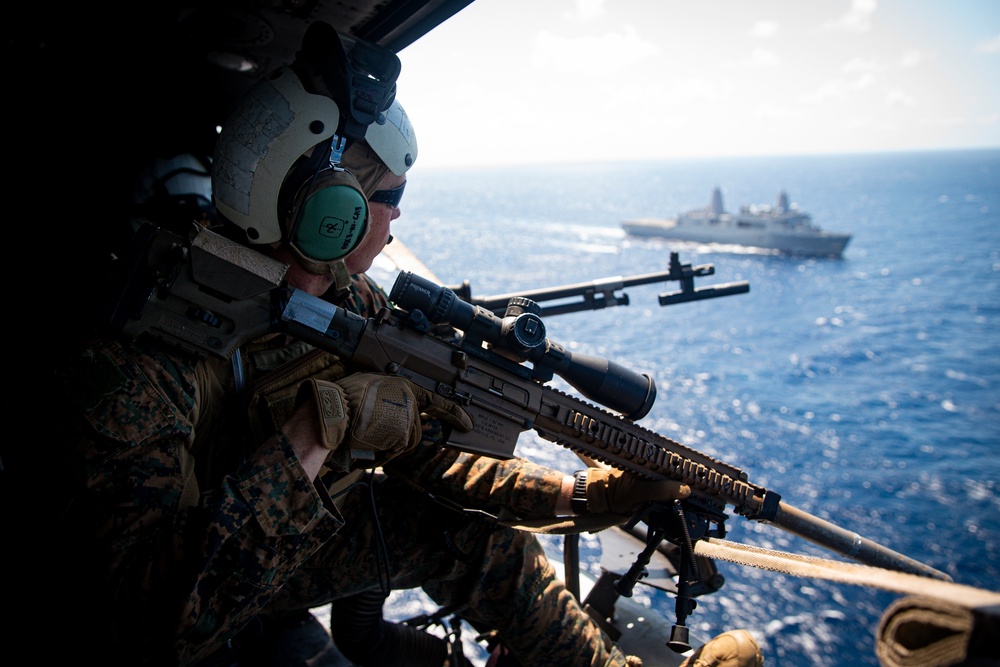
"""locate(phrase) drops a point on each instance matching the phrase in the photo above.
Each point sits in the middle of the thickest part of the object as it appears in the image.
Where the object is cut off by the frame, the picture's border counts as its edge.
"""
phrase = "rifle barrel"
(499, 301)
(593, 291)
(848, 543)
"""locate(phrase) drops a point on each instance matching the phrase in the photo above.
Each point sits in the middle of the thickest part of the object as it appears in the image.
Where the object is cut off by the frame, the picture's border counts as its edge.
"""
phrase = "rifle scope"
(521, 333)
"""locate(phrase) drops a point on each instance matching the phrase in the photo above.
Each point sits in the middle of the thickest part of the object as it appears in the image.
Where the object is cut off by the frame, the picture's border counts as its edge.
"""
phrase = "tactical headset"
(265, 136)
(276, 171)
(322, 208)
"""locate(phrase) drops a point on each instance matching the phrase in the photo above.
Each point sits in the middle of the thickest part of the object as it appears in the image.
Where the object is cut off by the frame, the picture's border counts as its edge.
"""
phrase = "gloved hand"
(617, 492)
(370, 417)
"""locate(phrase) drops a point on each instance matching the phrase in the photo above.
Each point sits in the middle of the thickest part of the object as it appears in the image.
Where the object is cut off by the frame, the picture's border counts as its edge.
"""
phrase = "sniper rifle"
(209, 296)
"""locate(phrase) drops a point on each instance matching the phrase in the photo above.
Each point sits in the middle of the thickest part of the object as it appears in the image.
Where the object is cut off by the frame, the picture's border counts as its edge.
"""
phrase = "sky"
(506, 82)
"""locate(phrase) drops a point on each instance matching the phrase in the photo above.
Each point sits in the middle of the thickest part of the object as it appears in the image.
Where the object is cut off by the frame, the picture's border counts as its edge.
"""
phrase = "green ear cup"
(333, 222)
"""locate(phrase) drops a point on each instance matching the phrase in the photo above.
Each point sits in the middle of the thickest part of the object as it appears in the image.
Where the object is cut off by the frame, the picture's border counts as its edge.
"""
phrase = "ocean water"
(865, 390)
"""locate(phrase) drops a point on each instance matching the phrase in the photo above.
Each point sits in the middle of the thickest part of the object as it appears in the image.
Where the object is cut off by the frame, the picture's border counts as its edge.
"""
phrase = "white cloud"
(835, 89)
(899, 98)
(590, 55)
(775, 113)
(859, 123)
(585, 10)
(912, 58)
(839, 89)
(989, 46)
(764, 29)
(761, 57)
(758, 58)
(866, 80)
(949, 121)
(684, 91)
(858, 18)
(860, 65)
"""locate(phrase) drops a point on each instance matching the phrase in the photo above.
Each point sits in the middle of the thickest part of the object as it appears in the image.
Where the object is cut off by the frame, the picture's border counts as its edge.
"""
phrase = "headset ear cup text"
(330, 216)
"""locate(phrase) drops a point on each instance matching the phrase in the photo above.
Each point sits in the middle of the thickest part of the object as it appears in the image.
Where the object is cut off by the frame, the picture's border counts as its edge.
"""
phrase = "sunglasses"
(390, 197)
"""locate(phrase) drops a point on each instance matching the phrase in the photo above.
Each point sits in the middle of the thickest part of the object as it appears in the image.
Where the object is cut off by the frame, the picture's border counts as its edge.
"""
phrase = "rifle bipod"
(688, 574)
(668, 538)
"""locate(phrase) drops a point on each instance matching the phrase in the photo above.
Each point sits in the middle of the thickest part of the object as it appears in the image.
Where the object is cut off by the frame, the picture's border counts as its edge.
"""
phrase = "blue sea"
(865, 390)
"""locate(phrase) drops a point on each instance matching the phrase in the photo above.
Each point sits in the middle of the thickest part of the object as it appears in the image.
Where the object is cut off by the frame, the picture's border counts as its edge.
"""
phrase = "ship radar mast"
(783, 202)
(716, 207)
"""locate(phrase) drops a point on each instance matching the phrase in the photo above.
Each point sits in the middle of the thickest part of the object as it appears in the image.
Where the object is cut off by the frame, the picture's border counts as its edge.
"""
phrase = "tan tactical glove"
(370, 418)
(616, 492)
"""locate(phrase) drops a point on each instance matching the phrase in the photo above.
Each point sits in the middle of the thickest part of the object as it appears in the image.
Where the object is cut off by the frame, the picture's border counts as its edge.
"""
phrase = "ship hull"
(826, 244)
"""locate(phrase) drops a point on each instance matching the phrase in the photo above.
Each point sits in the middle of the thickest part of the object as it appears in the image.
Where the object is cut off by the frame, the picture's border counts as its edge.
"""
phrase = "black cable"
(382, 565)
(381, 549)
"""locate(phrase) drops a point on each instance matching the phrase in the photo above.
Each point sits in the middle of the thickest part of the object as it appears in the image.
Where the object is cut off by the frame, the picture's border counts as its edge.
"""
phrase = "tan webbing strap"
(850, 573)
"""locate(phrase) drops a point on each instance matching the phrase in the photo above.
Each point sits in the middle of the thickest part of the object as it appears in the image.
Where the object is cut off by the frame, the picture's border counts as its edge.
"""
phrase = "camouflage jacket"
(186, 518)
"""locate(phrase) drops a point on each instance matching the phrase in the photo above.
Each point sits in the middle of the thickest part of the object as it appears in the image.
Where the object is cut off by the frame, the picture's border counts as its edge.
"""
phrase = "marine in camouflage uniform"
(189, 511)
(196, 532)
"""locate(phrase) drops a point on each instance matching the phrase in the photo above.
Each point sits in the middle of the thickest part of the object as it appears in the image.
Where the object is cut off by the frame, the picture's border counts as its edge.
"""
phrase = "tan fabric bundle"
(918, 631)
